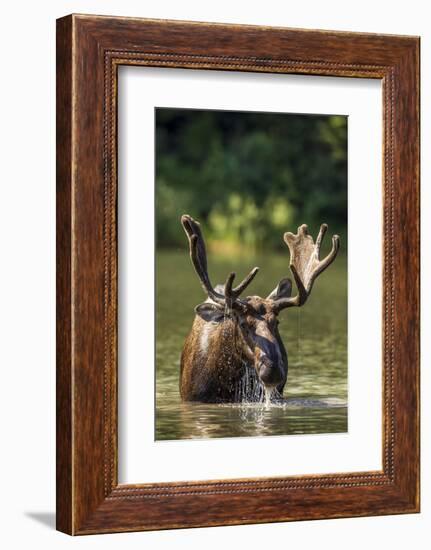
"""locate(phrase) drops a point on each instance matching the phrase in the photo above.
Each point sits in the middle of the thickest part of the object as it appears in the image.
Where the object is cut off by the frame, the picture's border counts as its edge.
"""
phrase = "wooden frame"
(89, 51)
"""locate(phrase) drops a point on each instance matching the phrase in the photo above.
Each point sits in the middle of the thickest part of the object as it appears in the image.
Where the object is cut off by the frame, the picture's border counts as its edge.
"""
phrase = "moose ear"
(282, 290)
(210, 312)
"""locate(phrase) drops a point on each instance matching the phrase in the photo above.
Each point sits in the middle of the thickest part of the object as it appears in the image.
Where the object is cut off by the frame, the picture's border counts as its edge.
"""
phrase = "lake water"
(315, 336)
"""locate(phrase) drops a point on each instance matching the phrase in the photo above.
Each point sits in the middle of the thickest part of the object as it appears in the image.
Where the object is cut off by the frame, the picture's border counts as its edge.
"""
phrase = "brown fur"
(211, 376)
(216, 354)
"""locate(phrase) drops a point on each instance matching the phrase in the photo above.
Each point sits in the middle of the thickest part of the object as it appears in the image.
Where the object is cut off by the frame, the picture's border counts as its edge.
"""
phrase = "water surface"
(315, 336)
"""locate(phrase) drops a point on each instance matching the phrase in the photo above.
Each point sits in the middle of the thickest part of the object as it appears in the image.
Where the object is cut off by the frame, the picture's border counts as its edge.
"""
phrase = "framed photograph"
(220, 360)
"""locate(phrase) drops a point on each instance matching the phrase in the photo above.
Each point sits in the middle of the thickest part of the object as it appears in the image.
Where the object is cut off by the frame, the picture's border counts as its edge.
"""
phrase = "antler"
(198, 256)
(305, 264)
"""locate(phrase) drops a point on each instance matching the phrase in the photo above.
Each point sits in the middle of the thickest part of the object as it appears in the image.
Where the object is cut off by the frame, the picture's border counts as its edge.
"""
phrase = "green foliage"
(248, 177)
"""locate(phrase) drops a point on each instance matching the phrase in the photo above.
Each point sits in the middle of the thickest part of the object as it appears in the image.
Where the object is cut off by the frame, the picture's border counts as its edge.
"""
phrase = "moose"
(234, 352)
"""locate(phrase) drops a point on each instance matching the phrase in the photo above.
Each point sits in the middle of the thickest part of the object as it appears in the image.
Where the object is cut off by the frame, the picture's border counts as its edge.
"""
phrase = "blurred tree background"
(248, 177)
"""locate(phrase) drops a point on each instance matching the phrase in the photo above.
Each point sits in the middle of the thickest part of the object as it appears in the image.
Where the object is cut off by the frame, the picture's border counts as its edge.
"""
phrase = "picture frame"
(89, 51)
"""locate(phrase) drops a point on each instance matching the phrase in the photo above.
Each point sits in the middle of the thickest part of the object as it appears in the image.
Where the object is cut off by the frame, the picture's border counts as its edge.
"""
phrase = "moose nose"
(268, 372)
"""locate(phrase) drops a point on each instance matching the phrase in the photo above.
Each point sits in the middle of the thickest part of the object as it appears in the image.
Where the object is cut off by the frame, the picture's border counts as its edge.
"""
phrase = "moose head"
(236, 337)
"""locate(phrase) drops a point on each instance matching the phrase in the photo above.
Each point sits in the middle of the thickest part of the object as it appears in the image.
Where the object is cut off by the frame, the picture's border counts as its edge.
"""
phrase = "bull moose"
(234, 351)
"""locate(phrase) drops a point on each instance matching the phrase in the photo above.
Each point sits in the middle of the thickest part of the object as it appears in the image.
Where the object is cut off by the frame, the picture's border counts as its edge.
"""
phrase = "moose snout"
(269, 372)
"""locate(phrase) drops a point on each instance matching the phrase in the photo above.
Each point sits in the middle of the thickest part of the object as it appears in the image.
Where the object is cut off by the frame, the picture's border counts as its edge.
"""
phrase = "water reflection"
(197, 420)
(315, 397)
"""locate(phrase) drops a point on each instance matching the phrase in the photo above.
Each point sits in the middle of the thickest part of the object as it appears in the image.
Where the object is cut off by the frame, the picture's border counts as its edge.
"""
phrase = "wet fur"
(214, 361)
